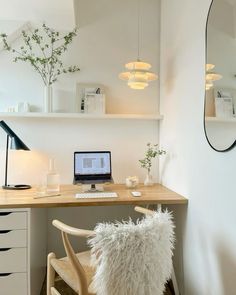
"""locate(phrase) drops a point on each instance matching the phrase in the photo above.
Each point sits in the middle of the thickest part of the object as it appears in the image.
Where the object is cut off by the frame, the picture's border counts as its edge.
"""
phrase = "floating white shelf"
(220, 120)
(81, 116)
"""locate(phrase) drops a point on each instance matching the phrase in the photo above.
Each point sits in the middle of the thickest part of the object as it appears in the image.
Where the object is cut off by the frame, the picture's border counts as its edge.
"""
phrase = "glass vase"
(48, 98)
(52, 179)
(148, 180)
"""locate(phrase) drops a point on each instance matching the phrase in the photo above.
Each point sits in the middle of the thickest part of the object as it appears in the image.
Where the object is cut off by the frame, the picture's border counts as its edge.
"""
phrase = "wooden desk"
(18, 216)
(156, 194)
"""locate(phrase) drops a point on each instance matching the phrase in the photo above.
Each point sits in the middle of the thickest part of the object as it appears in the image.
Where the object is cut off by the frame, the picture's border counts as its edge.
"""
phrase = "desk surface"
(156, 194)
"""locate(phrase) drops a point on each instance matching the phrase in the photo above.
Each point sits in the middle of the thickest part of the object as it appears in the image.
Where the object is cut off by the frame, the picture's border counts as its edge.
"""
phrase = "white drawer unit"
(22, 251)
(13, 238)
(13, 283)
(13, 220)
(13, 260)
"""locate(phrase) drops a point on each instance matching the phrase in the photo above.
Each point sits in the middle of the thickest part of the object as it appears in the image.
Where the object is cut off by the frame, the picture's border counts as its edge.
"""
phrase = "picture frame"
(90, 98)
(225, 100)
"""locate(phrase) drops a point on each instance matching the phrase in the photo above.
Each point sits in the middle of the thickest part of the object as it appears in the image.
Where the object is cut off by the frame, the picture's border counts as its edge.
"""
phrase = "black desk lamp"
(16, 144)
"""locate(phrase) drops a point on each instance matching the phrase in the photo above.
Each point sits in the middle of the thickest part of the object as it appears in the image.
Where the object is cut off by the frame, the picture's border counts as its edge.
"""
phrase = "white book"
(224, 107)
(94, 103)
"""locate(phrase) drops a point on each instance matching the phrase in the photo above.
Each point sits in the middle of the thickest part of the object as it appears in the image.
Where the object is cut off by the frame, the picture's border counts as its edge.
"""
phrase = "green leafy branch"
(151, 153)
(43, 49)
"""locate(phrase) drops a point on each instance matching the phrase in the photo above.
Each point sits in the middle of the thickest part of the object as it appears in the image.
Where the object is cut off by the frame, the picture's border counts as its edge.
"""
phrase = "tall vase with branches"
(43, 49)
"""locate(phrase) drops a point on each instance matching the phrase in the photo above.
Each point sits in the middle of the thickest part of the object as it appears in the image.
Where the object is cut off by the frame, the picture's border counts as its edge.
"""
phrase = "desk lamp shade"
(16, 144)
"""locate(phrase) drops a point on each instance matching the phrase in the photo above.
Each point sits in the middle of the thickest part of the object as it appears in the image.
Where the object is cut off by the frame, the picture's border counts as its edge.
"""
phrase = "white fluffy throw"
(133, 259)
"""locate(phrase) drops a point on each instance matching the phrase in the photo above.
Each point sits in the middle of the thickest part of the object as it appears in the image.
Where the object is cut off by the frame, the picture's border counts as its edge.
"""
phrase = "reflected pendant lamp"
(211, 76)
(138, 73)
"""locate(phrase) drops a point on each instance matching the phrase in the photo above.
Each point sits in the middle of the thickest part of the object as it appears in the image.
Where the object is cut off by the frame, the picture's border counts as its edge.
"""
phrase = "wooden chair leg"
(54, 291)
(50, 274)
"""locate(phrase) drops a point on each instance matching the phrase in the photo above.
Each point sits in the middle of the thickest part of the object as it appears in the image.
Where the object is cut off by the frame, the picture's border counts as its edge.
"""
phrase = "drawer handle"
(4, 249)
(5, 213)
(6, 274)
(4, 231)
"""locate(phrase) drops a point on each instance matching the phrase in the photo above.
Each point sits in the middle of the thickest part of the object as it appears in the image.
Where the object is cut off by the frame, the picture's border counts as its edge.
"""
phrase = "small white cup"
(22, 107)
(131, 181)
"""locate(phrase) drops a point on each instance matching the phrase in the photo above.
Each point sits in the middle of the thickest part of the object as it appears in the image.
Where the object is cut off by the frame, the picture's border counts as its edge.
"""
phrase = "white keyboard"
(96, 195)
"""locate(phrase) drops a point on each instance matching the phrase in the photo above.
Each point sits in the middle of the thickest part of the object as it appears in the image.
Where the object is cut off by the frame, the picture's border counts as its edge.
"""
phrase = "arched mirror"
(220, 95)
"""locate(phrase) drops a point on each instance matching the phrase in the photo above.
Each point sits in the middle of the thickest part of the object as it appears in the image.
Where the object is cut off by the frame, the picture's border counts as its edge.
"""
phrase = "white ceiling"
(59, 14)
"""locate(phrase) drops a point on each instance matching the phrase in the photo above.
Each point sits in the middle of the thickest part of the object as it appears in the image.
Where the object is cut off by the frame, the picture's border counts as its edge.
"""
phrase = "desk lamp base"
(16, 187)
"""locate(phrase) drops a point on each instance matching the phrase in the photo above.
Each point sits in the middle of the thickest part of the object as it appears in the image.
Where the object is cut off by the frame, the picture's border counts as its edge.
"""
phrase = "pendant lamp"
(138, 73)
(211, 76)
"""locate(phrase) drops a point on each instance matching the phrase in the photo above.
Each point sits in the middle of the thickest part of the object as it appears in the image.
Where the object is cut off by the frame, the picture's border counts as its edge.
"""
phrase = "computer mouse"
(136, 194)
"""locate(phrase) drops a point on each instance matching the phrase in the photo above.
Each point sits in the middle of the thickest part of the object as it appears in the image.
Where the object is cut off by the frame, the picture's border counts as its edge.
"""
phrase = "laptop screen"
(92, 165)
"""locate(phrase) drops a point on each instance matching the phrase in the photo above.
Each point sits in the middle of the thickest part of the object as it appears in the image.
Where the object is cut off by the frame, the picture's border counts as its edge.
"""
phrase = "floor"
(65, 290)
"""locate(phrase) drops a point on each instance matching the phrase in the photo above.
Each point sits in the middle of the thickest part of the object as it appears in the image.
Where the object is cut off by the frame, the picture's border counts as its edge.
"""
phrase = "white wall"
(107, 40)
(52, 12)
(193, 169)
(60, 138)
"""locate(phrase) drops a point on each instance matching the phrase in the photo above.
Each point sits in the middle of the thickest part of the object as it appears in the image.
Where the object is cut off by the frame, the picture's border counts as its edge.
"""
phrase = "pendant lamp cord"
(139, 30)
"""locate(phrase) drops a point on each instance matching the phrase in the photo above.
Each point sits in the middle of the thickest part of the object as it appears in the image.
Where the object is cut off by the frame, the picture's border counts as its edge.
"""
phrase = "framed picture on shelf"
(225, 100)
(90, 98)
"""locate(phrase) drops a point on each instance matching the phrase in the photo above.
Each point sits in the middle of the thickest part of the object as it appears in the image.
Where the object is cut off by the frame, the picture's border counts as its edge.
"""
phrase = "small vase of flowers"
(43, 48)
(146, 163)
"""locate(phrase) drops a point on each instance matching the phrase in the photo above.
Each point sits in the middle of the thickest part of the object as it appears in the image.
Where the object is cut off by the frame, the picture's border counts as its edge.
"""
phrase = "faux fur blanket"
(133, 259)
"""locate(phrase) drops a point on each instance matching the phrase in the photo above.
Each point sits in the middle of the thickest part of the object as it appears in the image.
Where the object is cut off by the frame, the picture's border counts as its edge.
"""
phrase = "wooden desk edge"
(93, 203)
(165, 197)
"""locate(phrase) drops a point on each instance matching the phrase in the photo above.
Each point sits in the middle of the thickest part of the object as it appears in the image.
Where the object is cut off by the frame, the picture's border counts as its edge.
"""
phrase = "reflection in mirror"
(220, 97)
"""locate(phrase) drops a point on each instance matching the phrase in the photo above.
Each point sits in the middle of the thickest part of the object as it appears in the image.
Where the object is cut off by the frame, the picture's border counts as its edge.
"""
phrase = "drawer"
(13, 260)
(13, 220)
(13, 283)
(13, 238)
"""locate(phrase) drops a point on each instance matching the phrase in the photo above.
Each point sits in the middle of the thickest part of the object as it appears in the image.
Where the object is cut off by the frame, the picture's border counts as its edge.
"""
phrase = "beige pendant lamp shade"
(209, 67)
(211, 76)
(138, 74)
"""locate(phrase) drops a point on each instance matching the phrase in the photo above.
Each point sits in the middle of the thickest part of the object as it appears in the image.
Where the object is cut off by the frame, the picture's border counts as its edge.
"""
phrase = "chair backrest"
(129, 258)
(75, 264)
(133, 258)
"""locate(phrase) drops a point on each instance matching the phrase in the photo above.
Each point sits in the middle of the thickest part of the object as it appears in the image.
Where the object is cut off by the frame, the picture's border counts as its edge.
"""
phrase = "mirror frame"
(204, 121)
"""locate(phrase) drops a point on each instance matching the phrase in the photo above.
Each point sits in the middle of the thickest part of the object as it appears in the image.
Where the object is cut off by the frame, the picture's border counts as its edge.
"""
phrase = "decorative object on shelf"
(43, 49)
(224, 104)
(16, 144)
(91, 98)
(10, 109)
(52, 179)
(211, 76)
(151, 153)
(22, 107)
(138, 74)
(131, 181)
(48, 97)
